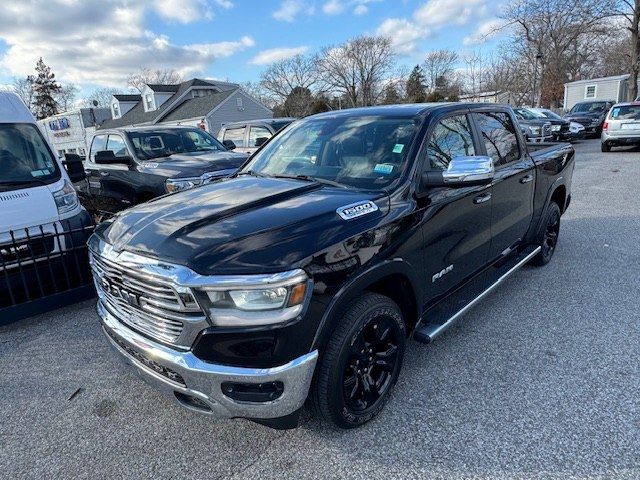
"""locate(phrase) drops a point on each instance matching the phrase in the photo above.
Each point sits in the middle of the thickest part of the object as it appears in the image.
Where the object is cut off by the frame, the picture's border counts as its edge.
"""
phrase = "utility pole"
(534, 103)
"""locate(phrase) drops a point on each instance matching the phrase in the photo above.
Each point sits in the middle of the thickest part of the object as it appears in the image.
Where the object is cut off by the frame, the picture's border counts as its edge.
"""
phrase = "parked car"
(535, 128)
(248, 136)
(306, 273)
(39, 209)
(127, 166)
(560, 128)
(622, 126)
(590, 114)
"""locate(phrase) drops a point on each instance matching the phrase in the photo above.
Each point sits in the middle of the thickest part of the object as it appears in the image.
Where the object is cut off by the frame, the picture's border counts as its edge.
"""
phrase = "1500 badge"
(356, 210)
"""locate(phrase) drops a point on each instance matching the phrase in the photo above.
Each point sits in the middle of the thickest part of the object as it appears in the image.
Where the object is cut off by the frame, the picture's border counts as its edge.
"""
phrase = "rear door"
(456, 221)
(514, 180)
(257, 136)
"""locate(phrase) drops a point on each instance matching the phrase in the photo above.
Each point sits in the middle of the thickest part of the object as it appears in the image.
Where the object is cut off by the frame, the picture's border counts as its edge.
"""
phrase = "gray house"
(614, 88)
(196, 102)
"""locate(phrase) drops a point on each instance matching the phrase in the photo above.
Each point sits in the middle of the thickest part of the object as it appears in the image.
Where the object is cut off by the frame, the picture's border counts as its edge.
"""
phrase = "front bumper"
(197, 385)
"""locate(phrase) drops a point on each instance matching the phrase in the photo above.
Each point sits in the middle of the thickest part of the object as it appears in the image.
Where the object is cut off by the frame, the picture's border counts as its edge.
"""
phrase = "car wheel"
(605, 147)
(361, 363)
(548, 239)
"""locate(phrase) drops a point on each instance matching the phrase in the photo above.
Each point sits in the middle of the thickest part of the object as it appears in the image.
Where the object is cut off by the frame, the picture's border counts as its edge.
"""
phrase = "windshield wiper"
(252, 173)
(307, 178)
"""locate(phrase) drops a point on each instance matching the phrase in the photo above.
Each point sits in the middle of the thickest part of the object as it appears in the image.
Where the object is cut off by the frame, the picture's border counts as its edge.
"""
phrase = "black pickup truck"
(128, 166)
(303, 276)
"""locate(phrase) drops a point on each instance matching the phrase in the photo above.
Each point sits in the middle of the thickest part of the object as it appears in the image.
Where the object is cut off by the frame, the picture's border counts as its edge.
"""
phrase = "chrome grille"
(144, 302)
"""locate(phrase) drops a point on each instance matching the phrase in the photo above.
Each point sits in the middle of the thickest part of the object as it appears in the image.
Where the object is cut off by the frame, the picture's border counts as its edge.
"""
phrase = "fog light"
(253, 392)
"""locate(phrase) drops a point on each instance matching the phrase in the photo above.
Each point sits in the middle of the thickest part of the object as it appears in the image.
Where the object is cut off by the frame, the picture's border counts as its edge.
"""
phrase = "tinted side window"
(450, 138)
(258, 132)
(98, 144)
(499, 136)
(236, 135)
(116, 144)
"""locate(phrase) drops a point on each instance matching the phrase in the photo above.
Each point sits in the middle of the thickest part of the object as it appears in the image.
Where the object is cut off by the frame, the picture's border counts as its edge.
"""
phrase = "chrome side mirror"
(462, 171)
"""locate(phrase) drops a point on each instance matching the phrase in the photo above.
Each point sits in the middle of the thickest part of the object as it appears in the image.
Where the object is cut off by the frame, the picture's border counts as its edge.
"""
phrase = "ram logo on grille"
(117, 291)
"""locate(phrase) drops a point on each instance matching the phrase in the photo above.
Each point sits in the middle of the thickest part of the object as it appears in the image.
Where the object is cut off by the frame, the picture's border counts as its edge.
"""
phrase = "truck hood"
(242, 225)
(194, 164)
(27, 207)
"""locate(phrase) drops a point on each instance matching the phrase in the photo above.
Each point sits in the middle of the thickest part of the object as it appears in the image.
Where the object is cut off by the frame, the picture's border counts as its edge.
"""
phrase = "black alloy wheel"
(548, 239)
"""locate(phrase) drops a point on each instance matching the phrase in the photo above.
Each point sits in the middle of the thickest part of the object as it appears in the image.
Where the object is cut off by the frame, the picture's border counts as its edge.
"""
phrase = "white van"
(36, 193)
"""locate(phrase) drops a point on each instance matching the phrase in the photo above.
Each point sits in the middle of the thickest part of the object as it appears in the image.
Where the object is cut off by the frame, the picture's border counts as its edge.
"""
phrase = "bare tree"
(439, 67)
(66, 96)
(259, 93)
(166, 76)
(24, 88)
(557, 38)
(281, 78)
(101, 97)
(358, 69)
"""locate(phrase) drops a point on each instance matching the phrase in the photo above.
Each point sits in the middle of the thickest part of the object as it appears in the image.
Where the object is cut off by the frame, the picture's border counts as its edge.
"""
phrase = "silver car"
(621, 126)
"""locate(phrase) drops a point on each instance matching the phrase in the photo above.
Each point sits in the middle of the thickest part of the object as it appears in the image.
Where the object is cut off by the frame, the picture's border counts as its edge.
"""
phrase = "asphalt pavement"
(541, 380)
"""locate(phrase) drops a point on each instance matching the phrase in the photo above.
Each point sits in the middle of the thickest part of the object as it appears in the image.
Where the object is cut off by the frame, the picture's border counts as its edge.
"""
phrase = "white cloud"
(360, 9)
(183, 11)
(484, 31)
(441, 12)
(333, 7)
(86, 43)
(288, 10)
(403, 34)
(272, 55)
(226, 4)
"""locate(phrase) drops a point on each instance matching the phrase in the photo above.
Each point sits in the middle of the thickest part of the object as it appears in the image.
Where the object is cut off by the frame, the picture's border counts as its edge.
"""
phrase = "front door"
(513, 184)
(456, 221)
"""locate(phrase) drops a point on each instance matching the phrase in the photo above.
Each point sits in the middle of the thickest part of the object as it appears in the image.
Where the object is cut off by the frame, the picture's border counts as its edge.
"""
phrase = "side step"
(426, 333)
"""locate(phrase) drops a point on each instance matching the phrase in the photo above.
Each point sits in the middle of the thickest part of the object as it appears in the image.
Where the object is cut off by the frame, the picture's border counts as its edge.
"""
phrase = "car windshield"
(25, 157)
(626, 112)
(162, 143)
(589, 107)
(367, 152)
(526, 114)
(549, 114)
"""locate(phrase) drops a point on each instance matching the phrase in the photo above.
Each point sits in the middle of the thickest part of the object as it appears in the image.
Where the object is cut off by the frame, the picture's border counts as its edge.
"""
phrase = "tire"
(605, 147)
(548, 237)
(344, 389)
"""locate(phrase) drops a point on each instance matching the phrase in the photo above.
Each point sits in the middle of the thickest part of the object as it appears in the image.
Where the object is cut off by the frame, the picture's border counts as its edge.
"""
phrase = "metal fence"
(42, 268)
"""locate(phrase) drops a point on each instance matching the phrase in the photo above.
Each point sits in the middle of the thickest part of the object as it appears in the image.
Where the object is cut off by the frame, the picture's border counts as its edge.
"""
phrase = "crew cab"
(622, 126)
(305, 274)
(127, 166)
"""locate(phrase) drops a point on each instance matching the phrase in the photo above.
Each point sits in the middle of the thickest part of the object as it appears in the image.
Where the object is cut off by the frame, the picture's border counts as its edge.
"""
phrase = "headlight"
(555, 128)
(66, 198)
(535, 130)
(178, 184)
(254, 300)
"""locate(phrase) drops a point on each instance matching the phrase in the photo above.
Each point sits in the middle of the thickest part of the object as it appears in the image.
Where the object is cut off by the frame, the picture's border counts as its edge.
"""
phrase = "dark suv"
(590, 114)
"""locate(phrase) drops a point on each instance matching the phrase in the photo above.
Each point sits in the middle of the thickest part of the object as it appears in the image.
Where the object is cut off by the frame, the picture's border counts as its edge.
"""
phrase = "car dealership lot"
(541, 381)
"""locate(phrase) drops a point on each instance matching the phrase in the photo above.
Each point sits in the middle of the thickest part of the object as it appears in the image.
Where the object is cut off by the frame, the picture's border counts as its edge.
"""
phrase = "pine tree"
(391, 96)
(45, 89)
(415, 88)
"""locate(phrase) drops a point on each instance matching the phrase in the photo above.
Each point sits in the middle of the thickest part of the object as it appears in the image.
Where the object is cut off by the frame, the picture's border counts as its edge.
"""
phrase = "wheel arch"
(395, 279)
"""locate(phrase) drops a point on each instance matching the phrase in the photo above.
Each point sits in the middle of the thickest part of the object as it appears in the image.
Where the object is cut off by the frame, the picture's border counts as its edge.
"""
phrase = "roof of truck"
(13, 109)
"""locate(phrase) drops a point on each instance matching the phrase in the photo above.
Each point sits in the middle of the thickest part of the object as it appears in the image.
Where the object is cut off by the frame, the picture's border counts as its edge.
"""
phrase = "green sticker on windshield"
(398, 148)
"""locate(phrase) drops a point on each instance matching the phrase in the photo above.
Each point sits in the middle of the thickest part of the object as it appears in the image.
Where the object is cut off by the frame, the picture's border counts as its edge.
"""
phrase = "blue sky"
(93, 43)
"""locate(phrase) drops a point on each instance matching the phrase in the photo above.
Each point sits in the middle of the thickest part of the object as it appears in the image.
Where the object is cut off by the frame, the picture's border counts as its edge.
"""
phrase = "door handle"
(526, 179)
(485, 197)
(104, 174)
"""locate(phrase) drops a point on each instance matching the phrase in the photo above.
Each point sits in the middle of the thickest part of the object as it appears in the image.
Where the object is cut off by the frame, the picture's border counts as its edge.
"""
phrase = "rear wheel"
(548, 238)
(361, 363)
(605, 147)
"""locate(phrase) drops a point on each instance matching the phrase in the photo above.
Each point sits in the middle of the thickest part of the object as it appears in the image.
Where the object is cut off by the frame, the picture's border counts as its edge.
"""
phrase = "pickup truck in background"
(303, 276)
(535, 127)
(128, 166)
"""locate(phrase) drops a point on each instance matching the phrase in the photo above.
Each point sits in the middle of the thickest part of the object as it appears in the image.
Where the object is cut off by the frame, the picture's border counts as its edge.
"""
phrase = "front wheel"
(548, 238)
(361, 363)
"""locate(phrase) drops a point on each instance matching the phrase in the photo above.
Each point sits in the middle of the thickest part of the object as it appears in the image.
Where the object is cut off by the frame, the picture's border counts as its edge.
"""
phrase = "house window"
(116, 111)
(239, 103)
(590, 91)
(149, 101)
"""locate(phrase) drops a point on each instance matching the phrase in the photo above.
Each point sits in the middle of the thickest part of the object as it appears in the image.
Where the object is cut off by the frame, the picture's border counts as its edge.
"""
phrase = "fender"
(361, 282)
(560, 181)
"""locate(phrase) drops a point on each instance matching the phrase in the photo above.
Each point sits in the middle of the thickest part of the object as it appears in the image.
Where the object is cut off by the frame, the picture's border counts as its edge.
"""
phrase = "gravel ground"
(541, 380)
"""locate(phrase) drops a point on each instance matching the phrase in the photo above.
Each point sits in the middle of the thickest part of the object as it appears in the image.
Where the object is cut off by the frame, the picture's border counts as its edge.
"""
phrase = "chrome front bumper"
(184, 377)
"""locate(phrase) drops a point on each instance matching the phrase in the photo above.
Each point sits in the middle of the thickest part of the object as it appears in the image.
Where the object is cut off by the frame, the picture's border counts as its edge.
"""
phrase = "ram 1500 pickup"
(303, 276)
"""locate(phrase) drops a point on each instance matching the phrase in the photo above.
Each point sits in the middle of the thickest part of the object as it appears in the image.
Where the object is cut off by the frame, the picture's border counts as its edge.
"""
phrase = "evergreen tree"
(391, 96)
(415, 87)
(45, 89)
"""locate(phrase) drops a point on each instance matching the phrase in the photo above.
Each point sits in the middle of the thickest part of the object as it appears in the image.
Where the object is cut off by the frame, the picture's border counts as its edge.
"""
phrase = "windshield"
(549, 114)
(589, 107)
(525, 114)
(162, 143)
(626, 112)
(366, 152)
(25, 157)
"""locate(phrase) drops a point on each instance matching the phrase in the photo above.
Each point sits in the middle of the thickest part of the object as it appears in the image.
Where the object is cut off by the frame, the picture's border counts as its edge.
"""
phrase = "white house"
(206, 103)
(70, 131)
(614, 88)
